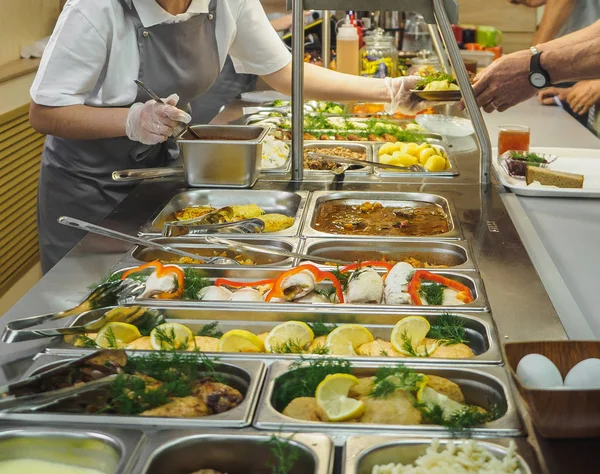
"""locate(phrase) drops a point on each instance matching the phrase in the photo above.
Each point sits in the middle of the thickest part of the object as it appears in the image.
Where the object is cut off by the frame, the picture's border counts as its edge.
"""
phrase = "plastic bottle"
(347, 56)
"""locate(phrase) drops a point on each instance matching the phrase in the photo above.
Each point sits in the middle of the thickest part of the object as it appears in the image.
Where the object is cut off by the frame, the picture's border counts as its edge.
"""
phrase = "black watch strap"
(538, 76)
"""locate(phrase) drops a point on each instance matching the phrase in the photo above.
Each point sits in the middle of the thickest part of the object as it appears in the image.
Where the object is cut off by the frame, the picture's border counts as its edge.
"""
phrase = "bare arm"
(78, 122)
(556, 14)
(571, 58)
(323, 84)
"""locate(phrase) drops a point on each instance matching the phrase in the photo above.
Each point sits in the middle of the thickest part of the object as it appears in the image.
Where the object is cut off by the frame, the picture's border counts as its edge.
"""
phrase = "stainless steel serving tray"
(391, 199)
(232, 452)
(452, 171)
(455, 255)
(353, 146)
(107, 451)
(246, 376)
(241, 274)
(480, 331)
(281, 202)
(481, 386)
(139, 255)
(362, 453)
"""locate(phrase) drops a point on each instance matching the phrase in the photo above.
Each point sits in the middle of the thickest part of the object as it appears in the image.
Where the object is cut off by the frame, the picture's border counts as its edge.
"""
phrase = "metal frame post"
(326, 39)
(437, 46)
(462, 77)
(297, 89)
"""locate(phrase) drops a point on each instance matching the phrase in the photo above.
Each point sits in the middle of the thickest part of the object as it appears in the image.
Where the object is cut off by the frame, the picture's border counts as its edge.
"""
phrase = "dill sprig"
(111, 339)
(149, 321)
(459, 420)
(288, 347)
(389, 379)
(438, 76)
(84, 341)
(194, 282)
(448, 330)
(168, 339)
(211, 330)
(408, 346)
(105, 279)
(285, 455)
(304, 376)
(527, 156)
(319, 328)
(321, 349)
(433, 293)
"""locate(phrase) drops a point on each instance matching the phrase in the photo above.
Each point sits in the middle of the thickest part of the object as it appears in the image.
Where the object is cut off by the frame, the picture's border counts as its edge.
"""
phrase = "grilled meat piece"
(217, 396)
(185, 407)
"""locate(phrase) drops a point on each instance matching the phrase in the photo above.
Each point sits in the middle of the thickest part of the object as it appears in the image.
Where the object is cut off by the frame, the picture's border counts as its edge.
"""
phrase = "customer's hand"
(400, 97)
(505, 83)
(549, 95)
(153, 122)
(583, 95)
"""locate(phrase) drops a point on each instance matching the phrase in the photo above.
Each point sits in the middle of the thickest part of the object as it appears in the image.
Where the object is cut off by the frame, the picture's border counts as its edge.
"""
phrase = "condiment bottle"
(347, 57)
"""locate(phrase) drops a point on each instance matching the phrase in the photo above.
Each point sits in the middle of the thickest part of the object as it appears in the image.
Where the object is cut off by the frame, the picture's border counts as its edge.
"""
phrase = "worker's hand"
(401, 98)
(153, 122)
(583, 95)
(505, 83)
(549, 95)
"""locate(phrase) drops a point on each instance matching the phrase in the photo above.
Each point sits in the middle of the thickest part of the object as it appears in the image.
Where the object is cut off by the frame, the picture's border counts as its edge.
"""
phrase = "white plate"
(446, 125)
(571, 160)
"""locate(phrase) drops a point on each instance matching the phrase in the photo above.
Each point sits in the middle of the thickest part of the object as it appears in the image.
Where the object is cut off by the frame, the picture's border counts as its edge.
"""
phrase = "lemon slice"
(347, 338)
(117, 335)
(411, 328)
(295, 334)
(332, 397)
(239, 340)
(171, 336)
(430, 398)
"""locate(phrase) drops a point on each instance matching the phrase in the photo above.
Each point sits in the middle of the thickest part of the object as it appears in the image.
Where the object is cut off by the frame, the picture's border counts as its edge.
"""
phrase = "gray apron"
(75, 177)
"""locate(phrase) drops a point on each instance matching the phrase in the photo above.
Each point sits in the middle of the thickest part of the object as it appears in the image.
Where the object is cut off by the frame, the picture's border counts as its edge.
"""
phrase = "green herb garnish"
(433, 293)
(285, 455)
(408, 346)
(319, 328)
(304, 376)
(439, 76)
(211, 330)
(321, 349)
(149, 321)
(194, 282)
(459, 420)
(448, 330)
(288, 347)
(111, 339)
(527, 156)
(389, 379)
(85, 341)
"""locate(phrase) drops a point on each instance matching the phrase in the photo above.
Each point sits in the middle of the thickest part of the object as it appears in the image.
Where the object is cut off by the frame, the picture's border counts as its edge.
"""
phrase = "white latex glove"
(153, 122)
(401, 99)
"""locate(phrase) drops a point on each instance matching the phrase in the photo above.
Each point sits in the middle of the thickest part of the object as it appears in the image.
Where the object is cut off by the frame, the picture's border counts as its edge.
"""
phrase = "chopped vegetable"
(160, 271)
(319, 275)
(414, 287)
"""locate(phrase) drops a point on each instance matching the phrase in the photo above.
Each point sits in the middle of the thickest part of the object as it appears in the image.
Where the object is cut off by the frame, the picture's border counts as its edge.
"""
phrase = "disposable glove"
(152, 122)
(401, 99)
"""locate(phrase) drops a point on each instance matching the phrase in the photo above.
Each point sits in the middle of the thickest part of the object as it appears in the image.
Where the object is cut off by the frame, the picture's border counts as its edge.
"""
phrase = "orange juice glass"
(513, 137)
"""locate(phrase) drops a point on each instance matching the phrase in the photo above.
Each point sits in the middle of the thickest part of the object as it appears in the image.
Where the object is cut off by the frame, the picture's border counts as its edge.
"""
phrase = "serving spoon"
(353, 162)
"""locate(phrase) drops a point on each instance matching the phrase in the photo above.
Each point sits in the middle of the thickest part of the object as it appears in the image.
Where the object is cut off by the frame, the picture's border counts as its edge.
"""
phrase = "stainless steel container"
(387, 199)
(479, 331)
(352, 146)
(281, 202)
(232, 452)
(246, 376)
(362, 453)
(451, 171)
(106, 452)
(227, 156)
(451, 254)
(482, 386)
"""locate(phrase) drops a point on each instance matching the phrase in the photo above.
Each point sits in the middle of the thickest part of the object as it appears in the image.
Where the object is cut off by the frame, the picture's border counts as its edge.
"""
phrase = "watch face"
(537, 79)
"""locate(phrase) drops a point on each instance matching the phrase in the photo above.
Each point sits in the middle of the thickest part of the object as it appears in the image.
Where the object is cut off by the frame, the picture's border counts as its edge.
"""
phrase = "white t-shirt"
(92, 57)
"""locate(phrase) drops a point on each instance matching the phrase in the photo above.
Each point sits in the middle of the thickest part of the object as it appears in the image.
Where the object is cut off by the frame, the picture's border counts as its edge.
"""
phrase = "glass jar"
(416, 33)
(379, 56)
(425, 63)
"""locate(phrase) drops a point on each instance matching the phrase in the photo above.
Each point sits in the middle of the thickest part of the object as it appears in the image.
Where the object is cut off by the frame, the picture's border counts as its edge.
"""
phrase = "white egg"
(537, 371)
(585, 375)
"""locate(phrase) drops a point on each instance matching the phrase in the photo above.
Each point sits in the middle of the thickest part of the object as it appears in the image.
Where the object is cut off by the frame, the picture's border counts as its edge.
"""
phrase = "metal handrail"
(297, 89)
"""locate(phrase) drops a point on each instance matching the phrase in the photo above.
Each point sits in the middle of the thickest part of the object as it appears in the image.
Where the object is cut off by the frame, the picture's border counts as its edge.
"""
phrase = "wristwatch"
(538, 76)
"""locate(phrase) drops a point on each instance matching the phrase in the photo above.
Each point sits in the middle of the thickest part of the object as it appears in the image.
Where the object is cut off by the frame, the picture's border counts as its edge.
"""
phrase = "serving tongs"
(353, 163)
(96, 229)
(36, 392)
(268, 250)
(108, 294)
(209, 223)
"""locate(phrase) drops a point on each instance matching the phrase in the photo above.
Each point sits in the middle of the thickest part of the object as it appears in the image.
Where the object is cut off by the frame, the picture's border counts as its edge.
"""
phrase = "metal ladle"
(96, 229)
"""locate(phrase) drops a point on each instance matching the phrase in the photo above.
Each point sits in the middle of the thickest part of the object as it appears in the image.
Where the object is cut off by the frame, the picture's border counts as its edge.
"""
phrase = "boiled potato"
(424, 146)
(385, 158)
(425, 154)
(436, 163)
(389, 148)
(411, 149)
(406, 160)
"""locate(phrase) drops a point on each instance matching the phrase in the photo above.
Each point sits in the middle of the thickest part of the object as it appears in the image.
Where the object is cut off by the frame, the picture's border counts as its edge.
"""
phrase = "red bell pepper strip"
(370, 263)
(277, 291)
(161, 271)
(242, 284)
(464, 292)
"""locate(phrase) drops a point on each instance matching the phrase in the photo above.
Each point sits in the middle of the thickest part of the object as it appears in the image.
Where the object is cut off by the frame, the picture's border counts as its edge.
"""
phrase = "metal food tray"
(479, 329)
(455, 255)
(109, 451)
(244, 375)
(452, 171)
(241, 274)
(362, 453)
(139, 255)
(353, 146)
(387, 198)
(481, 386)
(189, 451)
(282, 202)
